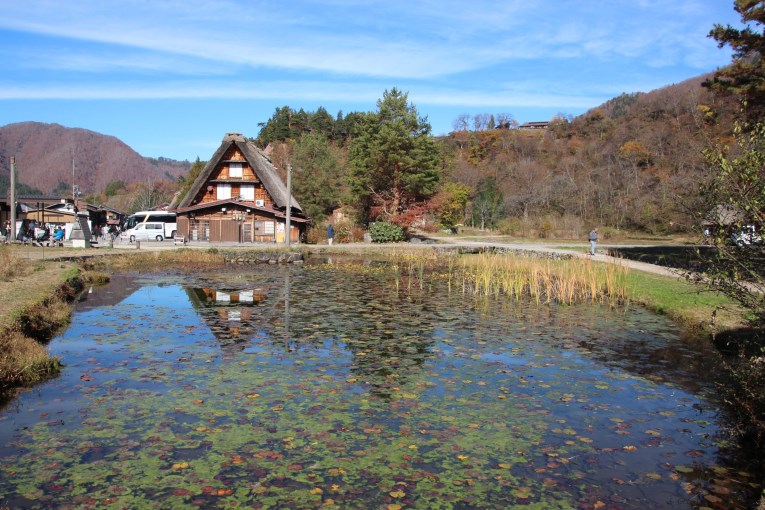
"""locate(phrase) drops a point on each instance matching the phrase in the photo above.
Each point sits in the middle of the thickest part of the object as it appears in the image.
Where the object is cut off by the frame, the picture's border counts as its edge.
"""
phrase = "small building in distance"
(239, 197)
(534, 125)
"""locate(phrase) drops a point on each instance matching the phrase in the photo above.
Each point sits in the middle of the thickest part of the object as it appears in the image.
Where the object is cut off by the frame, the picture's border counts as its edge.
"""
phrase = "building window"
(248, 192)
(224, 191)
(200, 231)
(264, 228)
(235, 170)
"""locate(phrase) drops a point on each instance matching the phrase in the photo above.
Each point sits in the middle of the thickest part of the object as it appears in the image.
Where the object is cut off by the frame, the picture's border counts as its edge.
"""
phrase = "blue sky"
(170, 78)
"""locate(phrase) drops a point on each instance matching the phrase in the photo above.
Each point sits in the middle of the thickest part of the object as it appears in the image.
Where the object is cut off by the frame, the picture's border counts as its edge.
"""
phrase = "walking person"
(593, 240)
(330, 234)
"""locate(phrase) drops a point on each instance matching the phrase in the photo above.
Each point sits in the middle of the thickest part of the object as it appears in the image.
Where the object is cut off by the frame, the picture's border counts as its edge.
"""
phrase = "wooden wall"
(217, 227)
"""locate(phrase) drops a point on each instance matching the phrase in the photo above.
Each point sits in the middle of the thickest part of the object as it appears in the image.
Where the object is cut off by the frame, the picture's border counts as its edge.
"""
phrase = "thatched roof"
(258, 161)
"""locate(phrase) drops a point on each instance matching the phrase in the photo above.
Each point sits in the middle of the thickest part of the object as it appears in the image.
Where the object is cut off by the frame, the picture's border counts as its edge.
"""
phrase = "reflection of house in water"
(231, 315)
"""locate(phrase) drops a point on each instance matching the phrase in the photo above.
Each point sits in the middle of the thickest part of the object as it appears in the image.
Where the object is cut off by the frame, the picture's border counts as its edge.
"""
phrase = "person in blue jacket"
(330, 234)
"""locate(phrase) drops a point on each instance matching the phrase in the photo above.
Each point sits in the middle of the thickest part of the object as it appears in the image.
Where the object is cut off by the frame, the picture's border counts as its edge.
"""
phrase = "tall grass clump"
(544, 280)
(23, 361)
(11, 264)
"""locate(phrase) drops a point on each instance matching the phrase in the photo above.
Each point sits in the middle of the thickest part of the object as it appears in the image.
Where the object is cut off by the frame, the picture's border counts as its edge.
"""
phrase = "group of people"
(101, 231)
(39, 234)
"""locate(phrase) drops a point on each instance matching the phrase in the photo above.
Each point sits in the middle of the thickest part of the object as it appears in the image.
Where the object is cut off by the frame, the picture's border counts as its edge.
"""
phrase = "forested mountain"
(635, 162)
(44, 154)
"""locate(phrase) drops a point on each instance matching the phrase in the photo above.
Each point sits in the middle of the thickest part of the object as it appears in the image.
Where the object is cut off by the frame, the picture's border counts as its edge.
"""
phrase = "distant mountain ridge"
(44, 155)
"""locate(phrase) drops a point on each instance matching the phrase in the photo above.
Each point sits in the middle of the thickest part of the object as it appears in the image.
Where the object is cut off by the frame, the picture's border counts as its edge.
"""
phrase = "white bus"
(168, 218)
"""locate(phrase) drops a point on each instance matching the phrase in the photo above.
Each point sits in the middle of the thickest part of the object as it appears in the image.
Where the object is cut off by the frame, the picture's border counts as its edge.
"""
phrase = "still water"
(329, 386)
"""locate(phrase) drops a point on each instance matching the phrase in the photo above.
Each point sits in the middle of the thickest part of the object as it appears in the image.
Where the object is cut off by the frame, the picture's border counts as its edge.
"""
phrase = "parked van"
(145, 231)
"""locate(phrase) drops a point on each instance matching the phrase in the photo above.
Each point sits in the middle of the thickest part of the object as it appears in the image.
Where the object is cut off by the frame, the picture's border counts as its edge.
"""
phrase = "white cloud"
(416, 40)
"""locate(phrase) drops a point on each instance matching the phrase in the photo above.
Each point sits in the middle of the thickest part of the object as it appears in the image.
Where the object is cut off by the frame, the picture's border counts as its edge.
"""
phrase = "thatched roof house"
(239, 197)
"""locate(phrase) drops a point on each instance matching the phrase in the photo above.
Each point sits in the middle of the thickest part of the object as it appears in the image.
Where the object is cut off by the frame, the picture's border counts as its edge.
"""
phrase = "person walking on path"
(593, 240)
(330, 234)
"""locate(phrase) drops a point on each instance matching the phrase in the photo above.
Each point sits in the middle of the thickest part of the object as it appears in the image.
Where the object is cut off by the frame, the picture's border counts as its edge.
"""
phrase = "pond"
(330, 386)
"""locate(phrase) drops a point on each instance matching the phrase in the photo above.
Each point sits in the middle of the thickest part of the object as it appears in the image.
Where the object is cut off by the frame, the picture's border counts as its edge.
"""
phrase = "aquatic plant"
(544, 280)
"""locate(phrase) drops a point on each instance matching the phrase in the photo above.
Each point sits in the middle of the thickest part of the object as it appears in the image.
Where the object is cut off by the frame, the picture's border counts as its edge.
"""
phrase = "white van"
(145, 231)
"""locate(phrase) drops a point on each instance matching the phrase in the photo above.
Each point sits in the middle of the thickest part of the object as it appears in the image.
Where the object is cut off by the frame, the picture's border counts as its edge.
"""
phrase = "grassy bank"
(701, 311)
(34, 306)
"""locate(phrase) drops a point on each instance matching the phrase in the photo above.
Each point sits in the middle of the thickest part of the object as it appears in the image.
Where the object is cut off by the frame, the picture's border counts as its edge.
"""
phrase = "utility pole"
(289, 204)
(74, 186)
(12, 233)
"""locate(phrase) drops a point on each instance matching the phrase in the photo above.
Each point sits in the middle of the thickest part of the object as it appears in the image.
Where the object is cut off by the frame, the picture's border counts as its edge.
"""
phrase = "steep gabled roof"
(258, 161)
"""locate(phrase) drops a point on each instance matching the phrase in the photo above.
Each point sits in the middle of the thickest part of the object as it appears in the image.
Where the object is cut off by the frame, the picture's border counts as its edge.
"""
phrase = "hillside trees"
(394, 161)
(185, 182)
(288, 124)
(450, 202)
(487, 204)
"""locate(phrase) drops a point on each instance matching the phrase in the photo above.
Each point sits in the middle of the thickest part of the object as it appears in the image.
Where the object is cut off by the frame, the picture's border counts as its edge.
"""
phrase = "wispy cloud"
(143, 59)
(415, 40)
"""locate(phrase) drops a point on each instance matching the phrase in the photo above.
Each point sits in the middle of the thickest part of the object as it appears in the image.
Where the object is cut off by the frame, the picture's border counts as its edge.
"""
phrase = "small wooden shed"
(239, 197)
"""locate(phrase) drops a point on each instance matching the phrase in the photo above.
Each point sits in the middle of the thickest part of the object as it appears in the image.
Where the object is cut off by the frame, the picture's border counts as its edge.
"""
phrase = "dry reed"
(11, 264)
(544, 280)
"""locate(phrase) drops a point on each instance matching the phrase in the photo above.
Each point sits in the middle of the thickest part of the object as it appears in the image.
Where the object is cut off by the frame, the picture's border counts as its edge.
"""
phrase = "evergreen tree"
(745, 77)
(394, 161)
(319, 176)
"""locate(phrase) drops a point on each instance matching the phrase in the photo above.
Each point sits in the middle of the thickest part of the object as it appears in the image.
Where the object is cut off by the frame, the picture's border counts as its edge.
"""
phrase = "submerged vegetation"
(332, 387)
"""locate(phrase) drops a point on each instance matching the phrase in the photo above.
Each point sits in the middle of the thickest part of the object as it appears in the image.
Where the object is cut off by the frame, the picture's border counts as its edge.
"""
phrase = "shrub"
(509, 226)
(545, 229)
(384, 232)
(345, 232)
(316, 235)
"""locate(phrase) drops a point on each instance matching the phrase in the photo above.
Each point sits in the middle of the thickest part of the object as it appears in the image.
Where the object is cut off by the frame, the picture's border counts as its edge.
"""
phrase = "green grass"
(685, 302)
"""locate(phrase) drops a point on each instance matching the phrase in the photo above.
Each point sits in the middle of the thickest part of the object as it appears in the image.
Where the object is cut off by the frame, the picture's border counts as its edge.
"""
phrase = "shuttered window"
(224, 191)
(248, 192)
